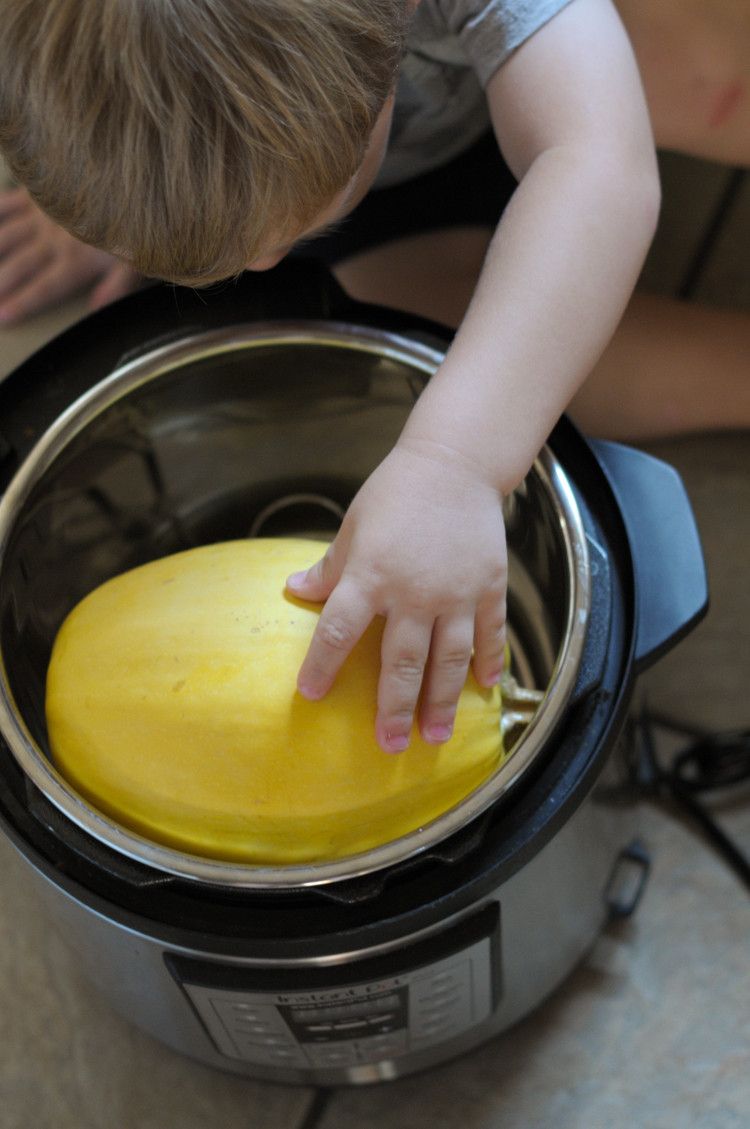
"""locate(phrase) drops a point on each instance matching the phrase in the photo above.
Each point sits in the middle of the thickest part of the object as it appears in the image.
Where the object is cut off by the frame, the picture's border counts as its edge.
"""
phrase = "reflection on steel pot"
(175, 420)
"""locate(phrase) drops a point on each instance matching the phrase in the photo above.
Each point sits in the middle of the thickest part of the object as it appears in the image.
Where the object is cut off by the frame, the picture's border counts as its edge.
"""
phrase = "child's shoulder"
(453, 49)
(485, 32)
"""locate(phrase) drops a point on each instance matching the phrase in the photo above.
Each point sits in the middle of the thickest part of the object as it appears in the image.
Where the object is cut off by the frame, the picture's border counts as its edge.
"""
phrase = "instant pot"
(176, 418)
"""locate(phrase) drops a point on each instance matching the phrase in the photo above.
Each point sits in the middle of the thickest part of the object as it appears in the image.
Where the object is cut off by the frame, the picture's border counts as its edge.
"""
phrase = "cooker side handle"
(670, 572)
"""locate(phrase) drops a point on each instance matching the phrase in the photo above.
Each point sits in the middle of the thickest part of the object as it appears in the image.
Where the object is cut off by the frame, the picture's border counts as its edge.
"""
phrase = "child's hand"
(41, 264)
(422, 544)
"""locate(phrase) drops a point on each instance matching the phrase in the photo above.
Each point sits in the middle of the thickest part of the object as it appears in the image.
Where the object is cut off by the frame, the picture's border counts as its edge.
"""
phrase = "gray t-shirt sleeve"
(453, 49)
(491, 30)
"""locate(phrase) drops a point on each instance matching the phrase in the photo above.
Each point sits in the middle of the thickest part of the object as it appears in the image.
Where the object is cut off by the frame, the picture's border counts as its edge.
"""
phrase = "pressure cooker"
(175, 418)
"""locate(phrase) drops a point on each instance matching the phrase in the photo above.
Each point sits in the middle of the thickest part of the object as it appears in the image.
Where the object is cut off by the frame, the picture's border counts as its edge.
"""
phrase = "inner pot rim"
(167, 358)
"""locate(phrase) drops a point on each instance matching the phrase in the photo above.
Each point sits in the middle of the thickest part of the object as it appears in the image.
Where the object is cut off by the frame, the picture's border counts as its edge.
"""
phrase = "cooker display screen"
(374, 1015)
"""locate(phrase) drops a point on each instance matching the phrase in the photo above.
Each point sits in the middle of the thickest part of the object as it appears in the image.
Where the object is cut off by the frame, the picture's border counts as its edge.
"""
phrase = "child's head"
(189, 136)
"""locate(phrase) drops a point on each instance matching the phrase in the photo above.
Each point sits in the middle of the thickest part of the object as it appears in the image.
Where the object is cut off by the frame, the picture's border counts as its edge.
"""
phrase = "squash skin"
(172, 707)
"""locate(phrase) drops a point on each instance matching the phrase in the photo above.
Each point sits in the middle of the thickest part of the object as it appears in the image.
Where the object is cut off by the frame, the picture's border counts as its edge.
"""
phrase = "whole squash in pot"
(172, 707)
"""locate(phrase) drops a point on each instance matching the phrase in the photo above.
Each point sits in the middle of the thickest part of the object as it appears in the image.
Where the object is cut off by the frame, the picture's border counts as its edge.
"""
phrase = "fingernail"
(439, 734)
(494, 678)
(312, 693)
(396, 742)
(296, 580)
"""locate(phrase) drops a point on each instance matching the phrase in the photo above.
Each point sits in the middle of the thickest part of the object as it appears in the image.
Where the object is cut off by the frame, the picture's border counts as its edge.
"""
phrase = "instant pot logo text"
(333, 995)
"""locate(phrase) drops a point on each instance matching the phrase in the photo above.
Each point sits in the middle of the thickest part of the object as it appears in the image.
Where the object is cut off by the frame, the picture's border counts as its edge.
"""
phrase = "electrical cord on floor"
(707, 764)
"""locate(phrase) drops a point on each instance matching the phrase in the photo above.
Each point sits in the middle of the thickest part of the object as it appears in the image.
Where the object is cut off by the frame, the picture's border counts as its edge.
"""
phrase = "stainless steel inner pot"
(268, 429)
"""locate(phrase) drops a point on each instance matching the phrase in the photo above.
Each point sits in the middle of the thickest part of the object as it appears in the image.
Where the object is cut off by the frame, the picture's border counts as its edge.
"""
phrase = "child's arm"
(423, 543)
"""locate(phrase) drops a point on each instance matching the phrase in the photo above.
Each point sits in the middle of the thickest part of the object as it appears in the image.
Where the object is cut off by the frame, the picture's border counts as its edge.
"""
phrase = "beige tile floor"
(651, 1031)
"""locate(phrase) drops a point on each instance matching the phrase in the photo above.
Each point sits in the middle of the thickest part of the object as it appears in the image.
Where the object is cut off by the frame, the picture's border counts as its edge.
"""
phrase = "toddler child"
(193, 139)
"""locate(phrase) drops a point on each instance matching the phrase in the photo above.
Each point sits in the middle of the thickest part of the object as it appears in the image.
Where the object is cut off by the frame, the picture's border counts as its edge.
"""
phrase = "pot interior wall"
(269, 437)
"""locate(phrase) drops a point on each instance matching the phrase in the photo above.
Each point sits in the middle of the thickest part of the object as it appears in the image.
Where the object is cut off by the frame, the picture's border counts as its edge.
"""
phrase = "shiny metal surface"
(551, 912)
(209, 439)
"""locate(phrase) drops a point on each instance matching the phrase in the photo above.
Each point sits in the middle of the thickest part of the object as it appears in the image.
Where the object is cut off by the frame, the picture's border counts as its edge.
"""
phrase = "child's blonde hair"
(191, 136)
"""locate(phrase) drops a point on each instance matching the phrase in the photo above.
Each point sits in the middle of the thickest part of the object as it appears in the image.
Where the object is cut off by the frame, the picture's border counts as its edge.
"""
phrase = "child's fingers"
(404, 654)
(29, 285)
(489, 643)
(342, 622)
(18, 268)
(15, 231)
(445, 676)
(13, 201)
(317, 582)
(117, 282)
(41, 264)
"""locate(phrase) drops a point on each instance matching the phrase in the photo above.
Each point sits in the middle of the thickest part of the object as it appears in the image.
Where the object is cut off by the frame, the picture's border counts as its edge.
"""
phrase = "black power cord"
(708, 764)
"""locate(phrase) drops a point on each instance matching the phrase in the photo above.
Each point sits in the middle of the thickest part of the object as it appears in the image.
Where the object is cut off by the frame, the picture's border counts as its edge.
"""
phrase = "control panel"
(357, 1012)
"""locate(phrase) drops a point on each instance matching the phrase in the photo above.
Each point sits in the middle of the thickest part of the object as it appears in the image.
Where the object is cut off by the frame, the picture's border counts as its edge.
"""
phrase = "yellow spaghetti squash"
(172, 707)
